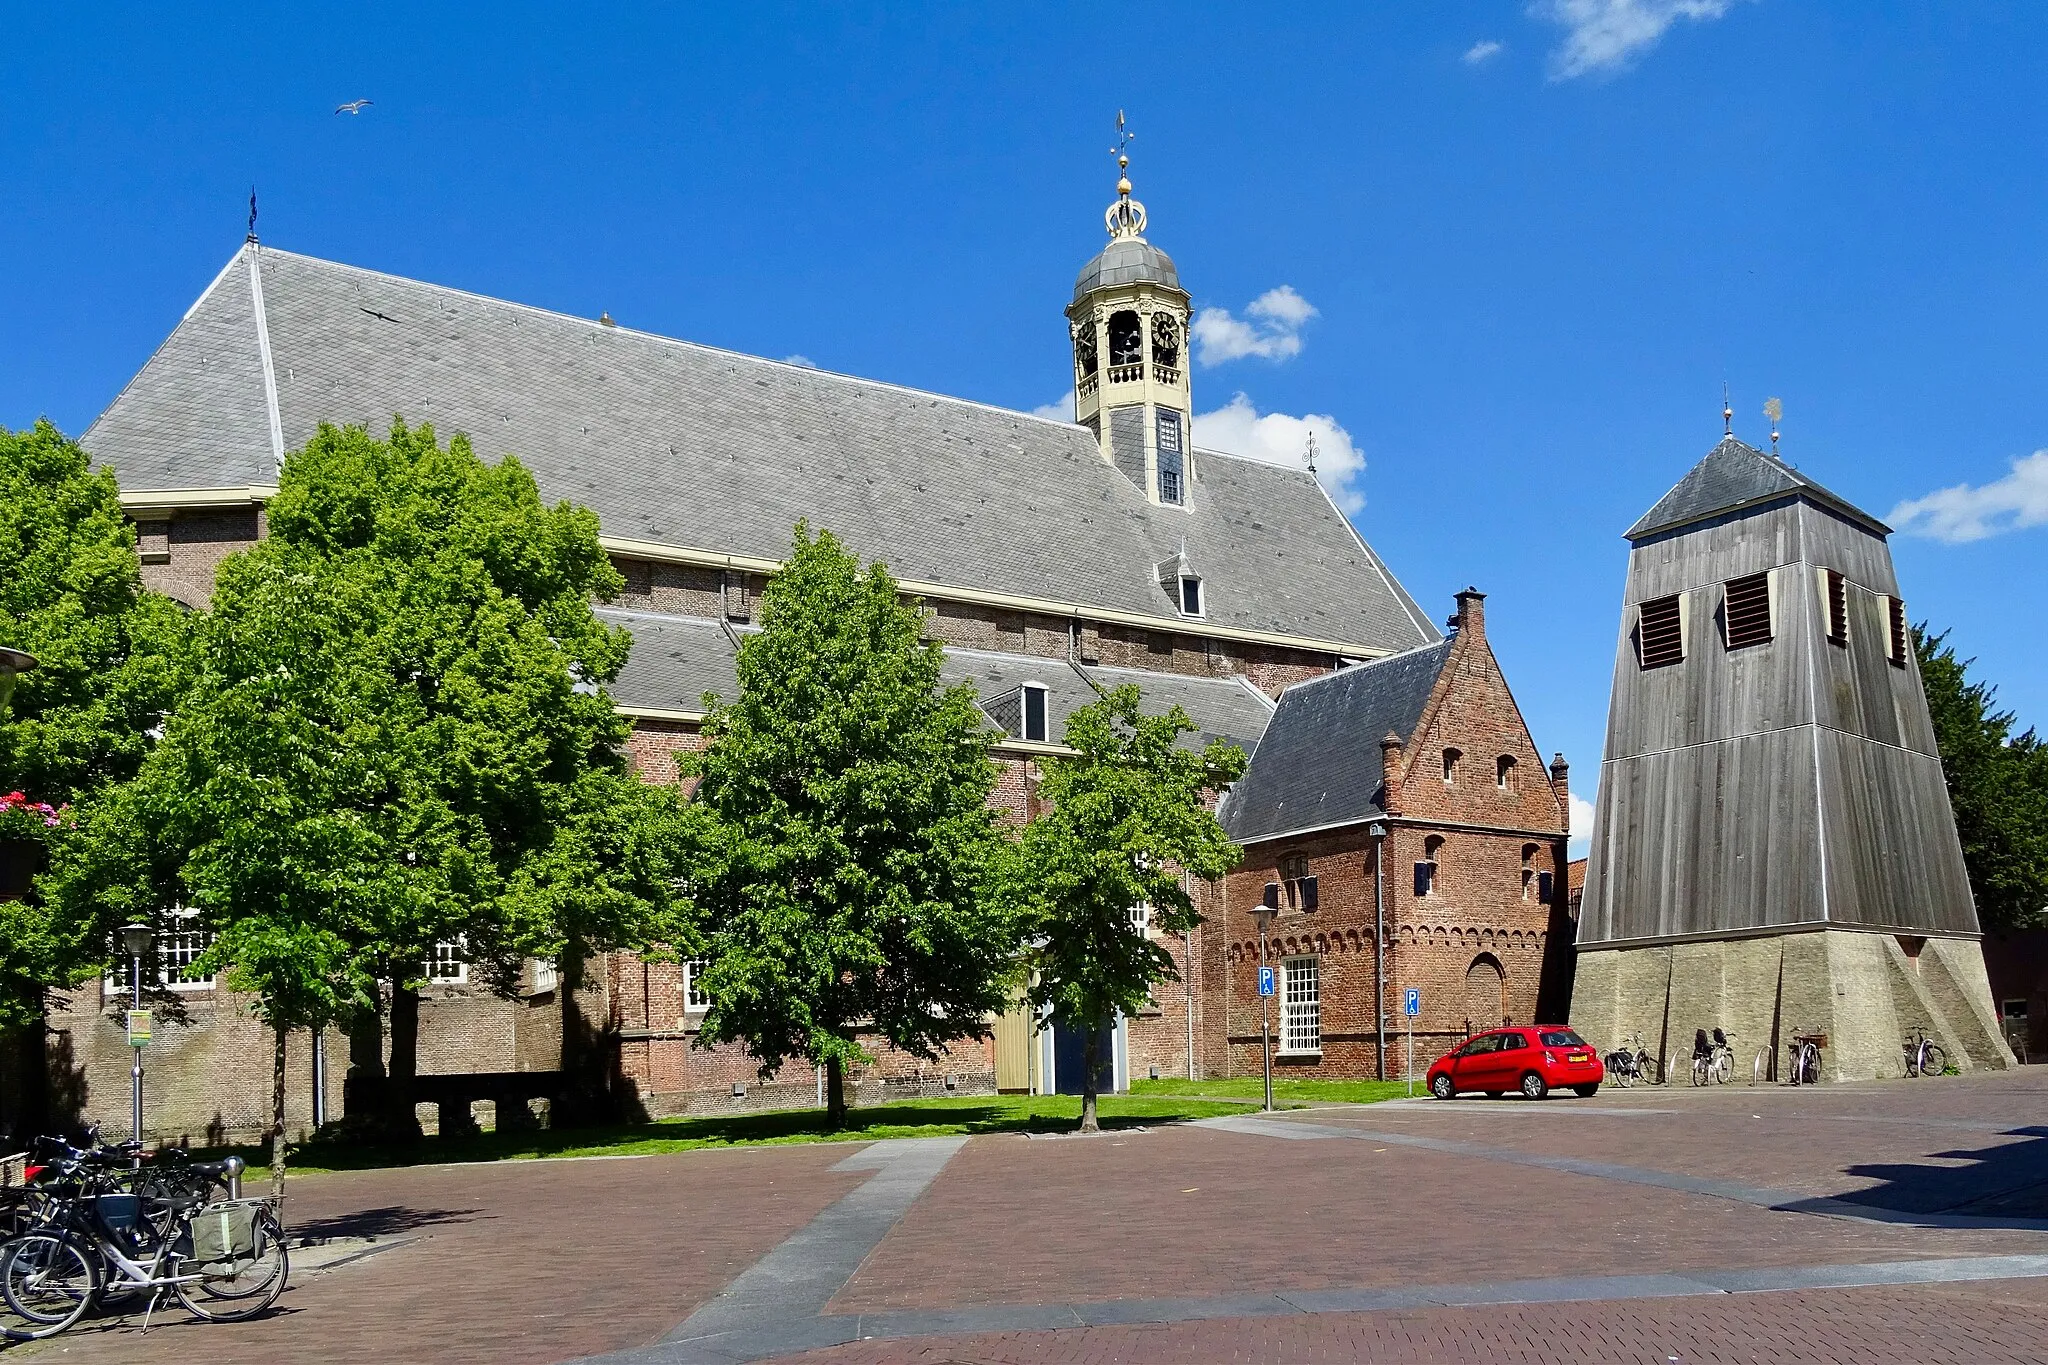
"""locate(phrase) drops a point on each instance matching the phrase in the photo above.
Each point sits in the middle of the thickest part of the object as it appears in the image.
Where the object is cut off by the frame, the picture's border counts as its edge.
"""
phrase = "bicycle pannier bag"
(223, 1234)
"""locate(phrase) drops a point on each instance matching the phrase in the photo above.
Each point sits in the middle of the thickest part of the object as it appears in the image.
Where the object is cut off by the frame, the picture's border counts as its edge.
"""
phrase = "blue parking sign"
(1265, 981)
(1411, 1001)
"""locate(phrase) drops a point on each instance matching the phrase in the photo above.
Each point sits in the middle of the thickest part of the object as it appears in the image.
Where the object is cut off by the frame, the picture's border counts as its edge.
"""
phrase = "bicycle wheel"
(1809, 1065)
(48, 1279)
(1933, 1061)
(1699, 1071)
(233, 1290)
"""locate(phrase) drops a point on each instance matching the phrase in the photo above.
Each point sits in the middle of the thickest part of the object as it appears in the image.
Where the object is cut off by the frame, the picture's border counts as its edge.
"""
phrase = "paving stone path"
(1888, 1222)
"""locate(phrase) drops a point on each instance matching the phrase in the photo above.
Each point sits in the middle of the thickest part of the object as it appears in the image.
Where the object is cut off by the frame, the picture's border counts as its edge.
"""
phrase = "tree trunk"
(401, 1124)
(1088, 1047)
(362, 1089)
(835, 1092)
(277, 1114)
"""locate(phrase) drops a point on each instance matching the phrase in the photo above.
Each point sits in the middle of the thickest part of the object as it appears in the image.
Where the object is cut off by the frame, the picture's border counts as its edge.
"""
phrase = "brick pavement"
(2005, 1323)
(515, 1264)
(534, 1262)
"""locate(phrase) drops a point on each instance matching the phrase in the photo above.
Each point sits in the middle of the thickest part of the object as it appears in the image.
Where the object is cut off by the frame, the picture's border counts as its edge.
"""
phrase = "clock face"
(1165, 339)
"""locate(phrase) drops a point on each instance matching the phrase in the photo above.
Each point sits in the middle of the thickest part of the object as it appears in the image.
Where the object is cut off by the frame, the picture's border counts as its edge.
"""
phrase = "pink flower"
(50, 822)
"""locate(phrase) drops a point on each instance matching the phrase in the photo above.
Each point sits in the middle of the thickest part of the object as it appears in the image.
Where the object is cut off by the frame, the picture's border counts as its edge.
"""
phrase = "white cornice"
(194, 499)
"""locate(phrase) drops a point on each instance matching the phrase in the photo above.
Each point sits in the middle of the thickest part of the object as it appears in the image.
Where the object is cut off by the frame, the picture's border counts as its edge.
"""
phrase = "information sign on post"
(138, 1028)
(1265, 981)
(1411, 1005)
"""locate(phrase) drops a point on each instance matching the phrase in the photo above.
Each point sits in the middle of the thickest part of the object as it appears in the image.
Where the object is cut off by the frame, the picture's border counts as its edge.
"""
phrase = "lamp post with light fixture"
(137, 939)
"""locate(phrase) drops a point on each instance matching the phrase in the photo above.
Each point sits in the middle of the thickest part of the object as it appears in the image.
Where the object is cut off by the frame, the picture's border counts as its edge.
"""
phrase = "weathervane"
(1126, 217)
(252, 213)
(1774, 409)
(1309, 453)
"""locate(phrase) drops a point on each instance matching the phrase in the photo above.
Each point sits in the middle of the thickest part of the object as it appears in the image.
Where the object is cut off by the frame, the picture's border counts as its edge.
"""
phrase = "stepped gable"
(1319, 762)
(691, 447)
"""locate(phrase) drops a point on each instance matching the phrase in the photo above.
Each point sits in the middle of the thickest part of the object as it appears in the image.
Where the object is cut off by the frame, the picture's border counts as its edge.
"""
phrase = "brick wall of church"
(181, 555)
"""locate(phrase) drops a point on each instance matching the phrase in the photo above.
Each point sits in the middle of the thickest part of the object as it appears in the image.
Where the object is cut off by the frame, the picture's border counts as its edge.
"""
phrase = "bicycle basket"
(223, 1234)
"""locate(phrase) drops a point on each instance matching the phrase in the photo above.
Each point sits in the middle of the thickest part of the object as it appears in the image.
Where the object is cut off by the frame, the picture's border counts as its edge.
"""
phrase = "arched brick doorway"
(1485, 993)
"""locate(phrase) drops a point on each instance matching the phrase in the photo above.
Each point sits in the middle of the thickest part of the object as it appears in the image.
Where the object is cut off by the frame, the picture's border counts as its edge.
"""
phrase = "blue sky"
(1499, 257)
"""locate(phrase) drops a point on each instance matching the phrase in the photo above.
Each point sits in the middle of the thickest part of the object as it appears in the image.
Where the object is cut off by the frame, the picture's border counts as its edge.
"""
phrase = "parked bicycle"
(1803, 1056)
(1924, 1056)
(99, 1223)
(1631, 1062)
(1713, 1059)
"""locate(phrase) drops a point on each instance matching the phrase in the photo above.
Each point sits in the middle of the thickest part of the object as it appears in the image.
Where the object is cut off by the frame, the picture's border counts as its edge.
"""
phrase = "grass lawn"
(944, 1117)
(1253, 1088)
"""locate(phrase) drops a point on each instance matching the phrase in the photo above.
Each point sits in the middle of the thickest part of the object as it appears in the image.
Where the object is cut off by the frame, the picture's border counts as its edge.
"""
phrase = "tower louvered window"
(1747, 607)
(1660, 633)
(1837, 590)
(1895, 620)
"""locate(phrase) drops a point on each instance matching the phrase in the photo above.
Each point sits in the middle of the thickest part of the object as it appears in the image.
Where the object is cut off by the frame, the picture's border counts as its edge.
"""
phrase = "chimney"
(1390, 768)
(1561, 783)
(1472, 612)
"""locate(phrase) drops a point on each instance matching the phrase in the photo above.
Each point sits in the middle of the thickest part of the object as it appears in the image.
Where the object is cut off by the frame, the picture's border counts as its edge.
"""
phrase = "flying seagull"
(352, 107)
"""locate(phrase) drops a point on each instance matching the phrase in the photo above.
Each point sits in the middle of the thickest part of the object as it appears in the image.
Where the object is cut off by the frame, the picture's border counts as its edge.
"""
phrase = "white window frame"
(695, 1000)
(1044, 713)
(448, 963)
(173, 949)
(546, 975)
(1301, 1006)
(1192, 580)
(1141, 919)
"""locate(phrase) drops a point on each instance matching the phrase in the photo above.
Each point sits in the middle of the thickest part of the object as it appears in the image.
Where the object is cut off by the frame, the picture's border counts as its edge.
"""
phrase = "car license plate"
(1579, 1057)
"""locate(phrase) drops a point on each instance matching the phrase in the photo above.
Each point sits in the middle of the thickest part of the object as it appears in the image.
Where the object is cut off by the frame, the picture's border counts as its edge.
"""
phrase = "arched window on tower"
(1426, 870)
(1126, 347)
(1451, 757)
(1504, 772)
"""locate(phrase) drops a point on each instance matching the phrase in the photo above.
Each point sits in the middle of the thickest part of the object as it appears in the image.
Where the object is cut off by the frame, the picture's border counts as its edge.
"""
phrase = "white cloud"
(1058, 410)
(1963, 513)
(1482, 52)
(802, 360)
(1582, 817)
(1606, 35)
(1238, 428)
(1270, 329)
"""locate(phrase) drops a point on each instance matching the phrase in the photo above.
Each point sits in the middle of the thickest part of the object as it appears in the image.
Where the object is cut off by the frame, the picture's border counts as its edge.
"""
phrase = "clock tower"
(1129, 324)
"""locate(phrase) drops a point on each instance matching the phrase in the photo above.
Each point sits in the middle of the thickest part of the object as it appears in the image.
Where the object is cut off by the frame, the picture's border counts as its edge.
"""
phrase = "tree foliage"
(397, 737)
(111, 659)
(847, 845)
(1127, 823)
(1998, 785)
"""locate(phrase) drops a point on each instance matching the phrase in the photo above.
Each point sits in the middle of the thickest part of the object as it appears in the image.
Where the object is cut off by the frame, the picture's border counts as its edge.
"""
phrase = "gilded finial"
(1774, 409)
(1727, 412)
(1126, 217)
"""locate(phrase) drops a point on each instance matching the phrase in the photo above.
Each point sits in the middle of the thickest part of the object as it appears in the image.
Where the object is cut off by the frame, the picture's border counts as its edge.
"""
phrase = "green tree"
(1127, 823)
(847, 845)
(398, 738)
(111, 660)
(1997, 783)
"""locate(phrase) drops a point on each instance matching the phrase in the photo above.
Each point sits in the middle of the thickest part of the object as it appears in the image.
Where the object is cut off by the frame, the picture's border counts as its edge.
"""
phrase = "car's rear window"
(1562, 1037)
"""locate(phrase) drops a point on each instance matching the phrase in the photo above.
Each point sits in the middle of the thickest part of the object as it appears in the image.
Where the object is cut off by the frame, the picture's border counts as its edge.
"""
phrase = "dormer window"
(1031, 723)
(1190, 595)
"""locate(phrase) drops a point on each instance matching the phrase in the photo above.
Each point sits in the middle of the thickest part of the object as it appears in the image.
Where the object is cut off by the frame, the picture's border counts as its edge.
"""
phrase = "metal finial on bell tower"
(1126, 217)
(252, 213)
(1774, 409)
(1309, 452)
(1727, 411)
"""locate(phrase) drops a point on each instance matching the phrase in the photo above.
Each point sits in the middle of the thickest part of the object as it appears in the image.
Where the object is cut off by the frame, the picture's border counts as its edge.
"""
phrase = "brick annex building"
(1056, 559)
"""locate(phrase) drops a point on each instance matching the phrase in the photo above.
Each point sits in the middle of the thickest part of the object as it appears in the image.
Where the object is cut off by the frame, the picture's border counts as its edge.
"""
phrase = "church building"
(1056, 558)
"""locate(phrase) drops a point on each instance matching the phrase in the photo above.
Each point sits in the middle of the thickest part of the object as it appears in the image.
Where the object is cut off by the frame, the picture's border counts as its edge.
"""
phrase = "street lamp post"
(1264, 914)
(136, 938)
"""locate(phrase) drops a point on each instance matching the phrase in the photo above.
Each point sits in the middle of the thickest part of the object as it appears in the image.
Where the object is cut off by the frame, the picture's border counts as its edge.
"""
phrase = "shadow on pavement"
(2009, 1180)
(388, 1221)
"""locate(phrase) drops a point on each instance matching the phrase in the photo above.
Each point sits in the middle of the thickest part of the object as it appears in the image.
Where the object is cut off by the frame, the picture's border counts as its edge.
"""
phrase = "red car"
(1533, 1060)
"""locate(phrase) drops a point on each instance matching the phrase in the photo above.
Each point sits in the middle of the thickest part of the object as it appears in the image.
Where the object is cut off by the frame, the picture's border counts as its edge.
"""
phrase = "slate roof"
(677, 659)
(1734, 476)
(698, 448)
(1127, 260)
(1318, 763)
